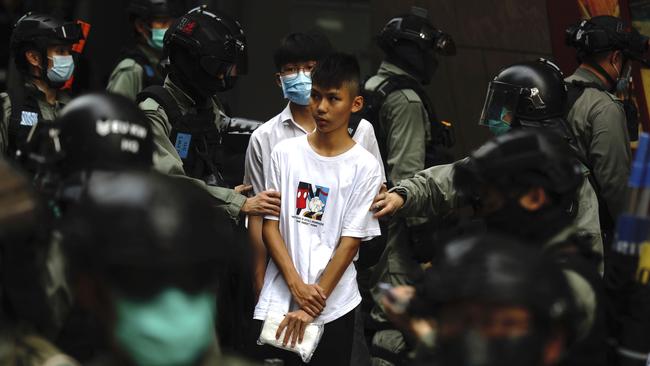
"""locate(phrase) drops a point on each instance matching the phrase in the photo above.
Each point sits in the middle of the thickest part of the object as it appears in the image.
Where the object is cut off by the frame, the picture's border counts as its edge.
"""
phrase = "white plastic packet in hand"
(306, 349)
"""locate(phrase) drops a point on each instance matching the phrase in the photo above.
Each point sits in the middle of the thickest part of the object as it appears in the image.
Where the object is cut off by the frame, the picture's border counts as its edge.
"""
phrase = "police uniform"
(166, 157)
(431, 191)
(135, 72)
(16, 124)
(405, 120)
(598, 120)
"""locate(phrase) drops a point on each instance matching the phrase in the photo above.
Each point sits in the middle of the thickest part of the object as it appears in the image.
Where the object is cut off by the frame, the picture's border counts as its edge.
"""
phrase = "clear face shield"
(499, 108)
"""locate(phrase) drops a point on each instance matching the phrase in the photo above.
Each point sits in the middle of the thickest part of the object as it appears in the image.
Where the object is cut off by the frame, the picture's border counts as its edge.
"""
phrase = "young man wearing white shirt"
(326, 181)
(295, 59)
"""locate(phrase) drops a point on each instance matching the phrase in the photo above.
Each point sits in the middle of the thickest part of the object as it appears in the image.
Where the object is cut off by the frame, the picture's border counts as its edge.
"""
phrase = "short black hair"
(301, 47)
(336, 70)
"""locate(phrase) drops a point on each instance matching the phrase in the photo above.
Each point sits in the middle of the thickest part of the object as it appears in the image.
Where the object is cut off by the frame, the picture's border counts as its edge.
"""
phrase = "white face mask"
(62, 68)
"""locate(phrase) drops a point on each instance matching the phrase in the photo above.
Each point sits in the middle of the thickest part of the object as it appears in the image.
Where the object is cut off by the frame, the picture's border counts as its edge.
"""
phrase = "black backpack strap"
(575, 89)
(165, 99)
(355, 120)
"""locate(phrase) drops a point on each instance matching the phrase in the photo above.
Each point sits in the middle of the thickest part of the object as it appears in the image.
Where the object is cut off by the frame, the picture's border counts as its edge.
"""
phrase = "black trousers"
(334, 348)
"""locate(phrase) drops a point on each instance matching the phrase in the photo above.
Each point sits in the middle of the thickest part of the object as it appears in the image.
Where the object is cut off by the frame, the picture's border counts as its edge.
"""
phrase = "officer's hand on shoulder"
(263, 203)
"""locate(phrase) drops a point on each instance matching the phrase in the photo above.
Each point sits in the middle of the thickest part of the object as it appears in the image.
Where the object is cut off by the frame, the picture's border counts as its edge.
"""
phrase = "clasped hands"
(311, 299)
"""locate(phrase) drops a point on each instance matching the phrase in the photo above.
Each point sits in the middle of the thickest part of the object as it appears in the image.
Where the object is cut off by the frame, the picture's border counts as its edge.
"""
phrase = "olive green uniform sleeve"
(585, 302)
(587, 219)
(610, 155)
(405, 120)
(429, 193)
(126, 79)
(167, 161)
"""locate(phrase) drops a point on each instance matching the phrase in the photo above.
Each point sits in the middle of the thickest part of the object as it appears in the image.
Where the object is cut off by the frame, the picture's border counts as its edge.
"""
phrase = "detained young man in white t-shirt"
(294, 60)
(327, 182)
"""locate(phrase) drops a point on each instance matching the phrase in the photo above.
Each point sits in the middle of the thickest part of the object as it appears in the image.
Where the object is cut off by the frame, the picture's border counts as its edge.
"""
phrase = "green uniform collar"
(583, 74)
(390, 69)
(48, 111)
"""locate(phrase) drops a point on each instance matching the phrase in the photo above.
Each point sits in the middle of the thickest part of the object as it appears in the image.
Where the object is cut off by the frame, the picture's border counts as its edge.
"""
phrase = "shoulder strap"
(164, 98)
(355, 119)
(576, 88)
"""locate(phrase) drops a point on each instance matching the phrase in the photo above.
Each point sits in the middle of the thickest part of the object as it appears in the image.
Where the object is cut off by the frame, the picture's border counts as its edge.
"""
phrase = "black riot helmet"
(39, 31)
(526, 94)
(509, 166)
(144, 232)
(207, 51)
(104, 131)
(477, 274)
(411, 42)
(607, 33)
(151, 9)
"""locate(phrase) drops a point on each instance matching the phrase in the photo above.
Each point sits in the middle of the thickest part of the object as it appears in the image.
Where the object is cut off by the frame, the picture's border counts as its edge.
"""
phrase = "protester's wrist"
(294, 283)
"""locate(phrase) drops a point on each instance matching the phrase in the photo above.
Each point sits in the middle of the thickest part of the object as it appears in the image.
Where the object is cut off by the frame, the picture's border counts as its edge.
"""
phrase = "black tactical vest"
(194, 135)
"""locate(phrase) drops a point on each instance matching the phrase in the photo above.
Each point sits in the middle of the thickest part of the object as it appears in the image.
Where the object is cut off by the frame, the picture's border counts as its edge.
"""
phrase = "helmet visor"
(500, 104)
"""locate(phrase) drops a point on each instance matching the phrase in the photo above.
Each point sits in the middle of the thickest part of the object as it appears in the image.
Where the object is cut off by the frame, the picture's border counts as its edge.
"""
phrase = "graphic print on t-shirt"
(311, 200)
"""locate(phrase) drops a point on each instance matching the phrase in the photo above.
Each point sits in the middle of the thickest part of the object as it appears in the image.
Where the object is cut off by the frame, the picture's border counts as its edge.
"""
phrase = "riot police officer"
(146, 251)
(139, 66)
(494, 301)
(525, 184)
(41, 45)
(601, 122)
(207, 52)
(526, 95)
(405, 125)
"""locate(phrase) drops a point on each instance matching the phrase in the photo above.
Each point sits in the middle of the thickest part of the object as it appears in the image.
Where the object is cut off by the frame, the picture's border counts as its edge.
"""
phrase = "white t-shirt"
(323, 199)
(282, 127)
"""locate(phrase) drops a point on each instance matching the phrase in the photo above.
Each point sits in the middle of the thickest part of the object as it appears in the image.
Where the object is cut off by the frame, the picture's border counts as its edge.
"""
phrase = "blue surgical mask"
(62, 69)
(157, 36)
(498, 127)
(297, 87)
(173, 328)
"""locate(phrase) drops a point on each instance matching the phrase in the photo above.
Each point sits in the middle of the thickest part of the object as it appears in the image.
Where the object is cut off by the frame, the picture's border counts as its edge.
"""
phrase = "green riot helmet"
(500, 172)
(38, 32)
(207, 51)
(526, 94)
